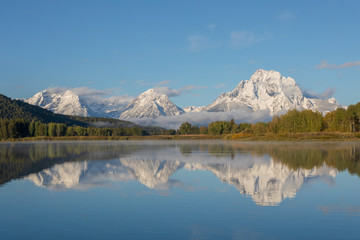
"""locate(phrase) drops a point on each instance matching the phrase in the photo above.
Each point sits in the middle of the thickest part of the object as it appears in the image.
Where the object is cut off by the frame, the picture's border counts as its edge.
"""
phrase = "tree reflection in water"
(268, 172)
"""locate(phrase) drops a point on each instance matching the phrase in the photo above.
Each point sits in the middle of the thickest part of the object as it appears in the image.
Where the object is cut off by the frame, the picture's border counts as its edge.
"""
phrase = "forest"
(294, 121)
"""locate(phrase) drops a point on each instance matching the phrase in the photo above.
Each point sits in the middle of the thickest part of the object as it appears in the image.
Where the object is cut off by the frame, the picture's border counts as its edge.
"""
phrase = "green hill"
(16, 109)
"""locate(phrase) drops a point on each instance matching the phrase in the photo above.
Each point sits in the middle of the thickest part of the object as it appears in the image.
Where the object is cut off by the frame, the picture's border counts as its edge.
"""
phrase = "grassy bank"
(321, 136)
(117, 138)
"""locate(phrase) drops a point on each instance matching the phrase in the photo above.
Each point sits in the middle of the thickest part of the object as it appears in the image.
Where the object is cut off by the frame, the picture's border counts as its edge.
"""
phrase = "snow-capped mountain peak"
(194, 109)
(59, 101)
(269, 91)
(266, 91)
(150, 104)
(78, 102)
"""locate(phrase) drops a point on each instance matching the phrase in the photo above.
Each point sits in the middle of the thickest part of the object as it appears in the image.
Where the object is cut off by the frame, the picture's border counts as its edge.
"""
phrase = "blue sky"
(198, 49)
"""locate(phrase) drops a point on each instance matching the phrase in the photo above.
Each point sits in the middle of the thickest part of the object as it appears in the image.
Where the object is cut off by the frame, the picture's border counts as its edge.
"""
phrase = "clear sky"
(197, 49)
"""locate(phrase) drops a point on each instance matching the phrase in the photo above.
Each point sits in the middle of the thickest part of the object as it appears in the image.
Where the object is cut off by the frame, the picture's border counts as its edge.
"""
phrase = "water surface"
(180, 190)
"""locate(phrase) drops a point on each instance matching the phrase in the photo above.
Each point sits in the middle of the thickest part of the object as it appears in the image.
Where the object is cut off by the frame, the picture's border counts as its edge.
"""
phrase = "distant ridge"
(269, 91)
(79, 102)
(150, 104)
(17, 109)
(264, 91)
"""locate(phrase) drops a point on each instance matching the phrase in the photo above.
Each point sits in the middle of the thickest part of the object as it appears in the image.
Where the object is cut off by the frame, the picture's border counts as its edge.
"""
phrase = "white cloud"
(286, 16)
(198, 43)
(190, 87)
(243, 39)
(92, 95)
(168, 91)
(231, 66)
(211, 26)
(163, 83)
(57, 90)
(220, 85)
(175, 92)
(142, 83)
(326, 65)
(81, 91)
(328, 93)
(124, 99)
(204, 118)
(86, 91)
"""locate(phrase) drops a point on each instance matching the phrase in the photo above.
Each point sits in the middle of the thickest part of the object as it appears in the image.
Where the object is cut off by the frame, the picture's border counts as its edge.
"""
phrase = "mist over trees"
(294, 121)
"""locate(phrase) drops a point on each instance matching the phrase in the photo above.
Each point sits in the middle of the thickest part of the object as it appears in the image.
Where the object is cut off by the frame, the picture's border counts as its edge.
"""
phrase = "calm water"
(180, 190)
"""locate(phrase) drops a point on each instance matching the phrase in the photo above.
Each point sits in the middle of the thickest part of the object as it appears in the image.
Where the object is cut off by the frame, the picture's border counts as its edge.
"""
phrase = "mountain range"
(78, 102)
(265, 91)
(266, 181)
(16, 109)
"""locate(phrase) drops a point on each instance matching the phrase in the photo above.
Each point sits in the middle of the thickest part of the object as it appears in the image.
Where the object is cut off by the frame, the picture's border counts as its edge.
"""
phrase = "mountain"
(270, 91)
(270, 183)
(150, 104)
(266, 90)
(267, 182)
(149, 171)
(79, 102)
(16, 109)
(193, 109)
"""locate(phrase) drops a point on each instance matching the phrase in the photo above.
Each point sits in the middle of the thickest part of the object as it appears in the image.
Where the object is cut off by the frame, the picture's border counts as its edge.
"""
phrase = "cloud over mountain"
(326, 65)
(204, 118)
(81, 101)
(265, 94)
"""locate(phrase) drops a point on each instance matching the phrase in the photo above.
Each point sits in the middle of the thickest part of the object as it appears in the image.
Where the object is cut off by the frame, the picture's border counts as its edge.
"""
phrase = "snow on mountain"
(266, 91)
(270, 91)
(79, 102)
(150, 104)
(324, 105)
(80, 175)
(151, 172)
(267, 182)
(192, 109)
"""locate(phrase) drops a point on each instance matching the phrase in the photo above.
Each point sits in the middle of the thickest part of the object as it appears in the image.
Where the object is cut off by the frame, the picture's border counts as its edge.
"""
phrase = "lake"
(180, 190)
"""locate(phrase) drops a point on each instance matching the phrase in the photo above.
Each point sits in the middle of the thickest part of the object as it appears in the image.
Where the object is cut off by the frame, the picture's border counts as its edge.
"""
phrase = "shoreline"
(320, 136)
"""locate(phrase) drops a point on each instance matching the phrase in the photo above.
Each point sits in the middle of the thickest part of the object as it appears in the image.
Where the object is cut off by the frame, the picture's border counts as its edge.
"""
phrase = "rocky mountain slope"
(150, 104)
(16, 109)
(70, 102)
(266, 181)
(270, 91)
(266, 91)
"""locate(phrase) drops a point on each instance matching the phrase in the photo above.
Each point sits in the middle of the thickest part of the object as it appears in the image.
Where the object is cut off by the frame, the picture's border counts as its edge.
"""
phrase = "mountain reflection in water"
(268, 172)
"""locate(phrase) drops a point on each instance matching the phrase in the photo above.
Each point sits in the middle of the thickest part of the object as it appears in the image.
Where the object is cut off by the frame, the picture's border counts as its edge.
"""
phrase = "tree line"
(20, 128)
(294, 121)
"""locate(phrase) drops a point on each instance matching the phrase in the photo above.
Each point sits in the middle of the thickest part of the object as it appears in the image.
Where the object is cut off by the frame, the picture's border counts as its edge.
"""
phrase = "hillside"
(151, 104)
(16, 109)
(272, 92)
